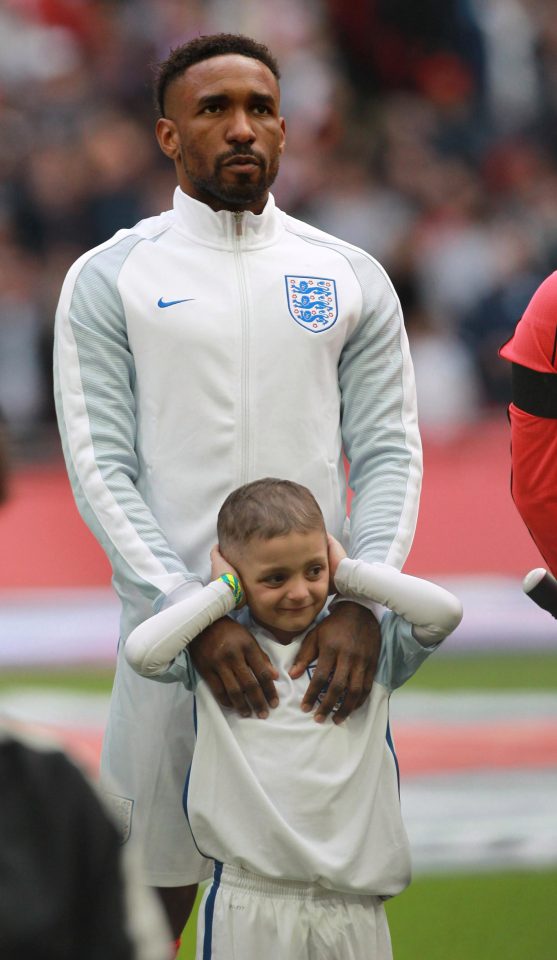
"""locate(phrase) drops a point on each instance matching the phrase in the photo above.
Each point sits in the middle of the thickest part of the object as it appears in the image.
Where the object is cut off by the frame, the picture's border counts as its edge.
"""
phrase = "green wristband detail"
(235, 585)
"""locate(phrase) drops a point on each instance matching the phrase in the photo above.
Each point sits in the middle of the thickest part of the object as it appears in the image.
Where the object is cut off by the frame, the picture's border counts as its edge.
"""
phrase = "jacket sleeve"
(94, 377)
(379, 422)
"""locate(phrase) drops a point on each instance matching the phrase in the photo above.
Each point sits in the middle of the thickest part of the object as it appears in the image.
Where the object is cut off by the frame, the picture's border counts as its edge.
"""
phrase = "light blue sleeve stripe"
(181, 670)
(401, 654)
(379, 419)
(94, 376)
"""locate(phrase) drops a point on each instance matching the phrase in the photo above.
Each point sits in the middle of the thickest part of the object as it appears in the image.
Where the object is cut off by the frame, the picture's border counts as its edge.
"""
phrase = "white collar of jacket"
(221, 228)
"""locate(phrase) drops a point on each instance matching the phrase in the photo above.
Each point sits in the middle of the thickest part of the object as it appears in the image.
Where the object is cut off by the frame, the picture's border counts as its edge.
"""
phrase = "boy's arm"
(432, 611)
(155, 644)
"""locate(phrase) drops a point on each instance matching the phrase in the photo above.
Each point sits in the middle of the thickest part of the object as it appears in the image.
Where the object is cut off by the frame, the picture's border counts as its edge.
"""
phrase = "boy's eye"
(275, 579)
(315, 571)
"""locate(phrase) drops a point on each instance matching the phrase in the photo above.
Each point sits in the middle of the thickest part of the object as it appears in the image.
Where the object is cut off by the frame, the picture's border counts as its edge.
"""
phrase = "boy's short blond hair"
(266, 508)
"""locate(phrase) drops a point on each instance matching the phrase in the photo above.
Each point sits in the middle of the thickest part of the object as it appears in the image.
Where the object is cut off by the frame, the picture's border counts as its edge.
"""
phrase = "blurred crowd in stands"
(425, 132)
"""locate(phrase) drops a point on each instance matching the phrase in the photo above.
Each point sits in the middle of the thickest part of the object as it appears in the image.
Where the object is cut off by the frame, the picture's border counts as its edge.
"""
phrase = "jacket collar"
(223, 228)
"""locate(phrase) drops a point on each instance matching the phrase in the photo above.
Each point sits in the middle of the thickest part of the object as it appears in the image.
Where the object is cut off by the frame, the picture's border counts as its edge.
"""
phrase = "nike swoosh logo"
(172, 303)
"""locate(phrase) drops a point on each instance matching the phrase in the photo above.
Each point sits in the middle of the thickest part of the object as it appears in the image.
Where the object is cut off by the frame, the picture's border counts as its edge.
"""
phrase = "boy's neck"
(283, 637)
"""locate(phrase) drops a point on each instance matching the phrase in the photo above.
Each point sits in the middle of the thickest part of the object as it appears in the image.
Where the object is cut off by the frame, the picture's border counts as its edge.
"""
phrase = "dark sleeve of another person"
(61, 886)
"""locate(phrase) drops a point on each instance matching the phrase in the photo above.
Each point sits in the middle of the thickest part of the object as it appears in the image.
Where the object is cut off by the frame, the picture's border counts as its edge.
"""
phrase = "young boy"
(301, 818)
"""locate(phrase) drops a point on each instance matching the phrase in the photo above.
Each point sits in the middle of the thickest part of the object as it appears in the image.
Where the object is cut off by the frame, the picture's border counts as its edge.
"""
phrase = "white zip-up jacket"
(200, 350)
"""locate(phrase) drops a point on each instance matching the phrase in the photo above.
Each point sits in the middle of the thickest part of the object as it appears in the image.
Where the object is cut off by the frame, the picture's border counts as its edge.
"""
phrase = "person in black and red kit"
(532, 351)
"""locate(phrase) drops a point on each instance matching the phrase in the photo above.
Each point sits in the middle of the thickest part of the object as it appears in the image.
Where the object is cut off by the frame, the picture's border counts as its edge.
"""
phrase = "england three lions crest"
(312, 302)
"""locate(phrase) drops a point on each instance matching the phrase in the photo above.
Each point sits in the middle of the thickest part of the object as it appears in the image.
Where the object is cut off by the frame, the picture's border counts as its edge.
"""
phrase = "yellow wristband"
(233, 582)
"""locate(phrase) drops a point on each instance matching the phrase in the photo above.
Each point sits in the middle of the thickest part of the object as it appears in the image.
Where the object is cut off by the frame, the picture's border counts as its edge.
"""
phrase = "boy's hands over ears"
(220, 565)
(336, 553)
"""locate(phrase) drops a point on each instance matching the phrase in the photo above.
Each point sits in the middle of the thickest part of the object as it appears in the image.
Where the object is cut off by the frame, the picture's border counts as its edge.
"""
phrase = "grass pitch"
(489, 671)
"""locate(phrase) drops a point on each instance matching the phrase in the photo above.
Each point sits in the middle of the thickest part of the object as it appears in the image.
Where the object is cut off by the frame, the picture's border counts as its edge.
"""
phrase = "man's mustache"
(240, 152)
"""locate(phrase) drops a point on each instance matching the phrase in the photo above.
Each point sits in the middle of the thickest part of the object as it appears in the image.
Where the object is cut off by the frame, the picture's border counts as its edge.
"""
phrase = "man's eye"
(262, 108)
(212, 108)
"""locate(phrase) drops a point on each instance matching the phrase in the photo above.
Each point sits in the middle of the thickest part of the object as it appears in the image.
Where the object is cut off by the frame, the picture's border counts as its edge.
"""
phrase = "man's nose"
(240, 129)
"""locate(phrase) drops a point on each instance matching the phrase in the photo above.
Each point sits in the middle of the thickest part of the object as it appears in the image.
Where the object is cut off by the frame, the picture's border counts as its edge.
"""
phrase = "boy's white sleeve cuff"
(375, 608)
(186, 590)
(154, 644)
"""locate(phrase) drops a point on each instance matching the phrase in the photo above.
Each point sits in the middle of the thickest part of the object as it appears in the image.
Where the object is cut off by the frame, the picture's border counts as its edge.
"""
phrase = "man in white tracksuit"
(216, 343)
(302, 819)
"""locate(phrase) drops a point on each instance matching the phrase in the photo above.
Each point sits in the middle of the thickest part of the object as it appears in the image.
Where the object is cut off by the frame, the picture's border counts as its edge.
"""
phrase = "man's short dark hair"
(204, 48)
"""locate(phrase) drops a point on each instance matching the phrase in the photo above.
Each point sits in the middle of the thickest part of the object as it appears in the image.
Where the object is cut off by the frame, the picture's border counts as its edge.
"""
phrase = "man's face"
(224, 132)
(285, 579)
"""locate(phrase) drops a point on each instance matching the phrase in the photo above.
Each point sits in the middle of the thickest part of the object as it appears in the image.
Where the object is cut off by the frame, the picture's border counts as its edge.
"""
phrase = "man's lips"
(242, 160)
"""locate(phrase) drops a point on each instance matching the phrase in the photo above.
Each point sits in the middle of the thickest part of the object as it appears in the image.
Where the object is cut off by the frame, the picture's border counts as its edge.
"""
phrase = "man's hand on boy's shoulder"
(346, 645)
(237, 671)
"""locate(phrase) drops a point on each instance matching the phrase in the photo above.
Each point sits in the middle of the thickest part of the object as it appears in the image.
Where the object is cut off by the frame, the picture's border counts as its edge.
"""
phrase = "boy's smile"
(286, 580)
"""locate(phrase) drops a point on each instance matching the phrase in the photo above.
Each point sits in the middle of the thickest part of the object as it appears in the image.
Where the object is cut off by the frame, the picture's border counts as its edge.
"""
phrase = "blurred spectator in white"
(352, 203)
(455, 256)
(446, 381)
(31, 50)
(513, 89)
(447, 385)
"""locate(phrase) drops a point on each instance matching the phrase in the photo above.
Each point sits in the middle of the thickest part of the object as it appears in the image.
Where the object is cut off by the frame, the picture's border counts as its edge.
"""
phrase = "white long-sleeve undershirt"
(432, 611)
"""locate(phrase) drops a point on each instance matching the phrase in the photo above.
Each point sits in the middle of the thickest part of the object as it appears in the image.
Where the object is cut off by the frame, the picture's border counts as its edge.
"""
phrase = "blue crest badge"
(312, 302)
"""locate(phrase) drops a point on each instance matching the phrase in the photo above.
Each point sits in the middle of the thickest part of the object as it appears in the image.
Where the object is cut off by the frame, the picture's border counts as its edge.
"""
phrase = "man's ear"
(167, 136)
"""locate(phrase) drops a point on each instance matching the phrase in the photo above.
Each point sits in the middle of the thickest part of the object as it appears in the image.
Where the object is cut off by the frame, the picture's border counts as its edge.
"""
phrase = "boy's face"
(286, 580)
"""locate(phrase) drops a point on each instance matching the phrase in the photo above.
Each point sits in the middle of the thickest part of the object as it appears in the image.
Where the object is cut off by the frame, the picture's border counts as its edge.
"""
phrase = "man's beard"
(245, 190)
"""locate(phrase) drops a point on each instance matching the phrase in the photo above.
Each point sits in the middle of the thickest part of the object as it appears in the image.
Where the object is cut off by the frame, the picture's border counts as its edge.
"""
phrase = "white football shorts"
(147, 750)
(245, 917)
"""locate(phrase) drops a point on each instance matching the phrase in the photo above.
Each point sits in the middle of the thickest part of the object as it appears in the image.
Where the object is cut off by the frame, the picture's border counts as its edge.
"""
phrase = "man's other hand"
(346, 645)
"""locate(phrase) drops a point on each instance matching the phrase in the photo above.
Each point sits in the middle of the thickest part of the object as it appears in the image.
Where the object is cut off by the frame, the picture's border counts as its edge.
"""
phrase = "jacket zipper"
(245, 347)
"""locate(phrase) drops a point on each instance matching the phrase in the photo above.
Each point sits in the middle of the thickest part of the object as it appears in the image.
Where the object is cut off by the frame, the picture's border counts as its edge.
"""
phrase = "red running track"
(421, 748)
